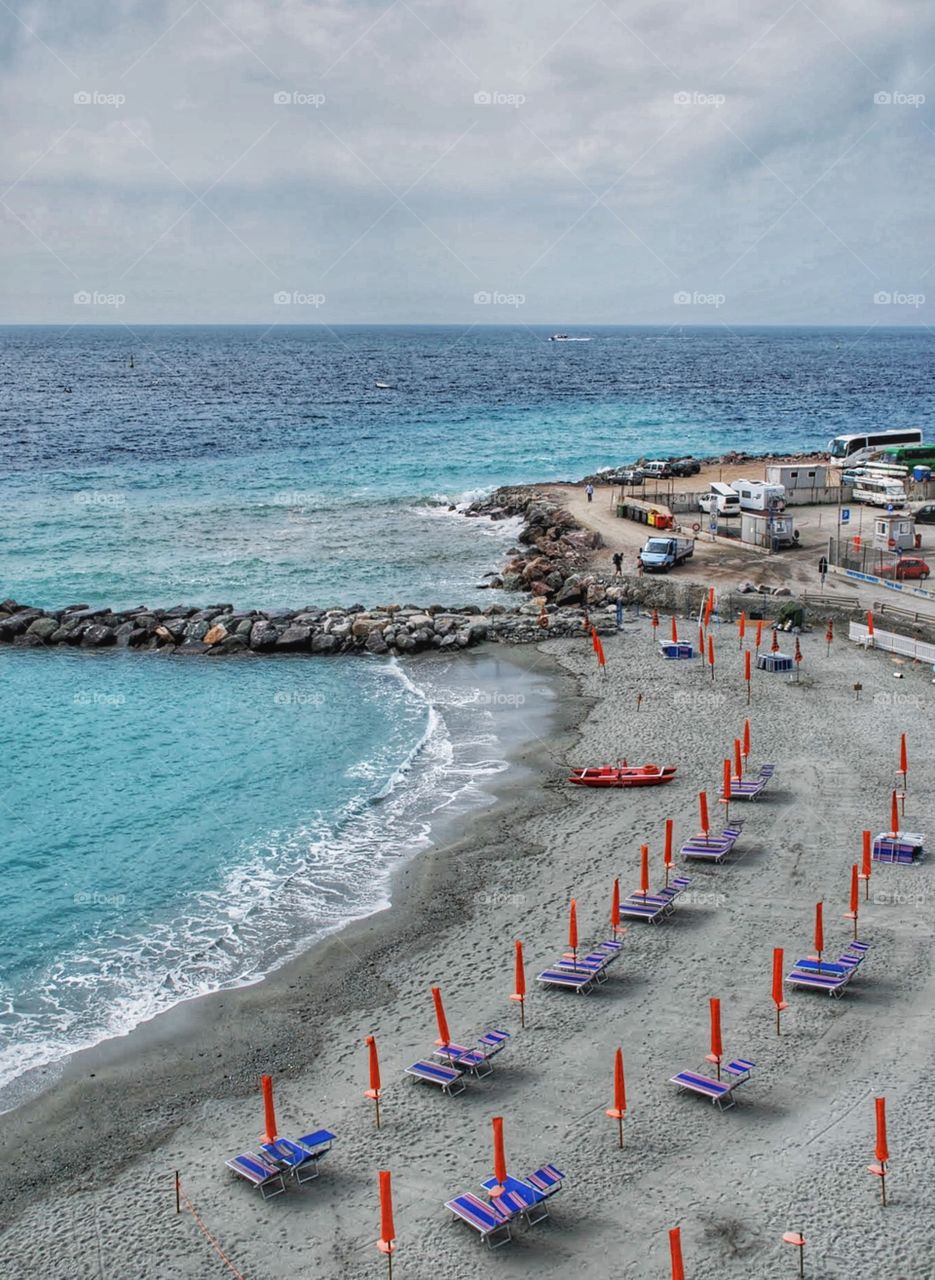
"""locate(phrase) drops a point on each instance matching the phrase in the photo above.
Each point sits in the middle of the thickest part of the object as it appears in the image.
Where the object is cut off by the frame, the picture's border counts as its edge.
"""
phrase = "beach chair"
(713, 848)
(547, 1179)
(493, 1041)
(903, 847)
(530, 1199)
(719, 1092)
(574, 980)
(459, 1055)
(594, 962)
(448, 1079)
(298, 1158)
(611, 948)
(834, 984)
(650, 908)
(260, 1172)
(490, 1221)
(318, 1143)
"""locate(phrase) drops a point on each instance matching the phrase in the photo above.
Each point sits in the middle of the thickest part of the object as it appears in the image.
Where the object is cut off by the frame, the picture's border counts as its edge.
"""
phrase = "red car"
(906, 567)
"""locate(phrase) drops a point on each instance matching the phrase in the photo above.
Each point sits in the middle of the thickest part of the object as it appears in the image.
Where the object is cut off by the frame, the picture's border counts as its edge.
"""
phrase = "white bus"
(846, 451)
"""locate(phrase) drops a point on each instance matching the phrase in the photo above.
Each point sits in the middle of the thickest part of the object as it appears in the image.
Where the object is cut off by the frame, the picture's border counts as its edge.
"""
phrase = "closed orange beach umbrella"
(573, 927)
(852, 914)
(618, 1110)
(644, 869)
(703, 811)
(746, 739)
(881, 1150)
(738, 759)
(759, 633)
(903, 756)
(387, 1242)
(675, 1253)
(675, 631)
(598, 648)
(499, 1157)
(655, 621)
(444, 1035)
(726, 782)
(894, 814)
(269, 1112)
(774, 647)
(667, 854)
(778, 1000)
(742, 627)
(519, 981)
(711, 654)
(615, 908)
(869, 624)
(709, 607)
(867, 859)
(746, 672)
(375, 1087)
(717, 1049)
(819, 930)
(701, 644)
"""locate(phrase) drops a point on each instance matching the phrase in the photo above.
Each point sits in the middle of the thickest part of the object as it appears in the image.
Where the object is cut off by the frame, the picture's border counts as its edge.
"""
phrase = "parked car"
(906, 567)
(685, 467)
(657, 470)
(926, 514)
(632, 475)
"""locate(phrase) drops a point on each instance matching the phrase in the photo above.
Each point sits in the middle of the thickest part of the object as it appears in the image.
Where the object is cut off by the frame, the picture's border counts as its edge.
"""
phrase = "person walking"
(618, 564)
(823, 569)
(589, 490)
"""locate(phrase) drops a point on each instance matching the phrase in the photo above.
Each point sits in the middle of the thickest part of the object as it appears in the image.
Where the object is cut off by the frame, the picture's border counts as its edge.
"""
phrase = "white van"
(755, 495)
(722, 499)
(879, 492)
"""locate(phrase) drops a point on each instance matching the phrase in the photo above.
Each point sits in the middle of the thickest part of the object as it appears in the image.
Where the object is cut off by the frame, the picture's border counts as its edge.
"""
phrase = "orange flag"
(675, 1253)
(444, 1035)
(269, 1113)
(387, 1242)
(703, 811)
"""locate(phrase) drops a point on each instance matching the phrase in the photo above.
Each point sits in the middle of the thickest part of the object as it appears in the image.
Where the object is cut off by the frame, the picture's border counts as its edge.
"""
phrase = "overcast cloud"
(382, 162)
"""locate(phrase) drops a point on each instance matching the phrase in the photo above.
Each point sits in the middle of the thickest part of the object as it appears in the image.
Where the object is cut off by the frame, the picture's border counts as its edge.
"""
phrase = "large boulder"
(326, 643)
(376, 643)
(96, 636)
(215, 634)
(263, 635)
(43, 628)
(294, 637)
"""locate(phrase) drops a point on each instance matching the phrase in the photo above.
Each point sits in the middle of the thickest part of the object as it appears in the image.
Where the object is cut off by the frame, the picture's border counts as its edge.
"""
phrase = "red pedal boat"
(623, 775)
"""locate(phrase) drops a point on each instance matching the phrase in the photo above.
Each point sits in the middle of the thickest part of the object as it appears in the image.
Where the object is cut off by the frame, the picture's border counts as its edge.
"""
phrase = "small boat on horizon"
(384, 386)
(567, 337)
(623, 775)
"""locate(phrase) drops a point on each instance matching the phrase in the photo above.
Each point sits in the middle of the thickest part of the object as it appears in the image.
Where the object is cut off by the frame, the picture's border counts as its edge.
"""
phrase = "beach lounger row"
(719, 1092)
(520, 1199)
(266, 1168)
(712, 848)
(749, 788)
(904, 847)
(583, 972)
(832, 976)
(655, 907)
(457, 1060)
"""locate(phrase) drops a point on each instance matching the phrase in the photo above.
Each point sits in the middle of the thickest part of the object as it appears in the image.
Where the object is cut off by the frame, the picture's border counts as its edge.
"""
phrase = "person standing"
(589, 490)
(823, 569)
(618, 564)
(619, 611)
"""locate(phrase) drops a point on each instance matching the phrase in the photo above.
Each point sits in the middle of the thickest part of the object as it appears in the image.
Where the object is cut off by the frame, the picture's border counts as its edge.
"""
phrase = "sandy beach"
(87, 1168)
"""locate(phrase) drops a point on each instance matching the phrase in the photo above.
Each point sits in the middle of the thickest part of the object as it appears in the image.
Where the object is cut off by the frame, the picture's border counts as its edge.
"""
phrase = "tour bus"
(879, 491)
(845, 451)
(910, 455)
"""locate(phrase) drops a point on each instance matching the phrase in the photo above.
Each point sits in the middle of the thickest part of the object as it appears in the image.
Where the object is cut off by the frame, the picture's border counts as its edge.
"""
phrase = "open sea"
(173, 826)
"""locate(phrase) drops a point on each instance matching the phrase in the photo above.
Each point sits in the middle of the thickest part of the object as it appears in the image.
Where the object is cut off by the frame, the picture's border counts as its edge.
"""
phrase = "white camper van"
(755, 495)
(722, 499)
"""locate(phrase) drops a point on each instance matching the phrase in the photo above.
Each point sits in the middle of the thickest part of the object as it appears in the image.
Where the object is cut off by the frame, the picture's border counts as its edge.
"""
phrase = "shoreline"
(177, 1041)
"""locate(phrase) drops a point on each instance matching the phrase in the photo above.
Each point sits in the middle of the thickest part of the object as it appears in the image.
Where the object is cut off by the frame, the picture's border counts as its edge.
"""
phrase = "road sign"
(845, 515)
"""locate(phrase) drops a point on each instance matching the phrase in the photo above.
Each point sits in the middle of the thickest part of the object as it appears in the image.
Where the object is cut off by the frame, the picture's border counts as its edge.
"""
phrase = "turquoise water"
(171, 826)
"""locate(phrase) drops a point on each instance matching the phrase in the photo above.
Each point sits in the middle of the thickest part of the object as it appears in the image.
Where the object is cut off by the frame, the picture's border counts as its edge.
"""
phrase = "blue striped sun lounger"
(594, 962)
(491, 1221)
(493, 1041)
(719, 1092)
(319, 1142)
(715, 848)
(448, 1079)
(530, 1199)
(473, 1060)
(299, 1159)
(834, 984)
(547, 1179)
(575, 980)
(902, 847)
(260, 1171)
(649, 909)
(611, 948)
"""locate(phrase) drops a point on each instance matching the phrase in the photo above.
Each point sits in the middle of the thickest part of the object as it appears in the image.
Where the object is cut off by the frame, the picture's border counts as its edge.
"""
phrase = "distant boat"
(384, 386)
(566, 337)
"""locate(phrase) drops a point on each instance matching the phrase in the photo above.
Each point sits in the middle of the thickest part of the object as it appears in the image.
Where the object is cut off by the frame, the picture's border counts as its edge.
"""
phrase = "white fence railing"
(890, 642)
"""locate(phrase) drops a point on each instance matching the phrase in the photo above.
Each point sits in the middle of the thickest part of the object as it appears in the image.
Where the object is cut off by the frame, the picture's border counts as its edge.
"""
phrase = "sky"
(478, 162)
